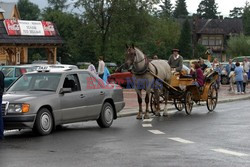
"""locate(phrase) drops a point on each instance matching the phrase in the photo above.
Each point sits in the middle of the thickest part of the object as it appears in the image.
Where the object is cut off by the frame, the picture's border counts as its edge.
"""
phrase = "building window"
(204, 40)
(211, 41)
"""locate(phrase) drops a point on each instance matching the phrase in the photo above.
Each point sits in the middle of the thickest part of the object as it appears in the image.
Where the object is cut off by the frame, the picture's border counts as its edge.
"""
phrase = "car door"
(72, 102)
(93, 94)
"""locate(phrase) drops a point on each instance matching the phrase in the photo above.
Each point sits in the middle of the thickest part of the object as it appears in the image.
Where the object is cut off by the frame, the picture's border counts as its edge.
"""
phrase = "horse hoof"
(158, 114)
(165, 114)
(139, 116)
(146, 116)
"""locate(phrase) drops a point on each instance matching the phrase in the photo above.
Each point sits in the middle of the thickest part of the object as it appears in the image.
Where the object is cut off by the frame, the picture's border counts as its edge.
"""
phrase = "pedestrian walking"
(106, 74)
(1, 96)
(230, 73)
(239, 78)
(101, 66)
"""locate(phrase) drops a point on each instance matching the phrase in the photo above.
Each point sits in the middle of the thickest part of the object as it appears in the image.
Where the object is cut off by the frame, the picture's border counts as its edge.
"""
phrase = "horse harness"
(145, 68)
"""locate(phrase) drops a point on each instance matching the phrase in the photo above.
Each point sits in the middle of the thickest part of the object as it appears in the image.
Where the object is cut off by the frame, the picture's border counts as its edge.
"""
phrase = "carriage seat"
(186, 76)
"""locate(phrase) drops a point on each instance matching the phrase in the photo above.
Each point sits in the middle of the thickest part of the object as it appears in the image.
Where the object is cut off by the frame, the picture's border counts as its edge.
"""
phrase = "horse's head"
(130, 56)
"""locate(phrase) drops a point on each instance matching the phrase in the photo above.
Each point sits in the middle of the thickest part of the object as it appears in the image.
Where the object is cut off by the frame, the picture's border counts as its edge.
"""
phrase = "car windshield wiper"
(42, 90)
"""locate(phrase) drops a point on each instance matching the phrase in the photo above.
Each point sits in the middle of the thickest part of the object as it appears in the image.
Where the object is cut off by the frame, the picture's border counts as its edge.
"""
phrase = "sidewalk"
(131, 104)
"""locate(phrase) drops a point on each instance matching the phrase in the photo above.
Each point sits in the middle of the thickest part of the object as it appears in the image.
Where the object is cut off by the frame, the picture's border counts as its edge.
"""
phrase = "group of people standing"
(238, 74)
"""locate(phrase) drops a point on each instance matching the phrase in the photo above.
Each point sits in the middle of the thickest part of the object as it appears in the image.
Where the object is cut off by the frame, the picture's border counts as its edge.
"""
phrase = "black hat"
(176, 50)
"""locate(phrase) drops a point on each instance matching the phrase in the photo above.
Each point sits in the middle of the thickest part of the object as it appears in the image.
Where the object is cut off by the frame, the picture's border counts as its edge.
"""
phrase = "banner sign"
(29, 28)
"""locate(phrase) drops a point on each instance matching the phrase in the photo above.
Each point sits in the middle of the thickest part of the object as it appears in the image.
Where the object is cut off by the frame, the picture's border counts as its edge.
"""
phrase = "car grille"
(4, 107)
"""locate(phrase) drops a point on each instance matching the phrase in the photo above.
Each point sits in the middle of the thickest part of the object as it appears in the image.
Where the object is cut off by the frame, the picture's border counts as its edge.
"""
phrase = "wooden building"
(14, 48)
(214, 33)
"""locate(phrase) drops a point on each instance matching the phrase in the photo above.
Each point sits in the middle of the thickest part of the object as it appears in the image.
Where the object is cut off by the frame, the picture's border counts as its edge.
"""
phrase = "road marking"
(229, 152)
(146, 125)
(148, 120)
(181, 140)
(156, 132)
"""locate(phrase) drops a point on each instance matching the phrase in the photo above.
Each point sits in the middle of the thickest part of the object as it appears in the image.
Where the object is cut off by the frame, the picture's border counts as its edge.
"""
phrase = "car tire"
(44, 122)
(106, 117)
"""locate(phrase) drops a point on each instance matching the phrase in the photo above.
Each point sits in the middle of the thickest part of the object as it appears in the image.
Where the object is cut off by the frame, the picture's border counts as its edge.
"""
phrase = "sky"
(224, 6)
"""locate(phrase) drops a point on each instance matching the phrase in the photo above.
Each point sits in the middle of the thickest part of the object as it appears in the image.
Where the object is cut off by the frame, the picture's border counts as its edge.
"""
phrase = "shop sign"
(29, 28)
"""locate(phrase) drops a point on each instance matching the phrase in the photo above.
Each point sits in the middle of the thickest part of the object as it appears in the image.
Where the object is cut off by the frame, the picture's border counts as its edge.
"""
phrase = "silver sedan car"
(44, 99)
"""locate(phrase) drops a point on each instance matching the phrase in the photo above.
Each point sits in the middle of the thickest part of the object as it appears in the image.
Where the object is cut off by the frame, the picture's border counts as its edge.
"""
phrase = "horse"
(144, 73)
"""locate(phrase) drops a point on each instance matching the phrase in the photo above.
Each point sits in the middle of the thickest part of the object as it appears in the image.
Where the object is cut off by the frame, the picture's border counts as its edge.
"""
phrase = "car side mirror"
(65, 90)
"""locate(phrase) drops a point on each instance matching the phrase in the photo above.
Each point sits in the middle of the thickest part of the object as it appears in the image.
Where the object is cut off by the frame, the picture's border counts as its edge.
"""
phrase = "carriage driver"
(175, 61)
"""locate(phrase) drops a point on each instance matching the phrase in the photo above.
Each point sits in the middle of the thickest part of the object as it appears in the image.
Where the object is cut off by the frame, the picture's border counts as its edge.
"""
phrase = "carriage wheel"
(188, 103)
(212, 98)
(153, 103)
(178, 104)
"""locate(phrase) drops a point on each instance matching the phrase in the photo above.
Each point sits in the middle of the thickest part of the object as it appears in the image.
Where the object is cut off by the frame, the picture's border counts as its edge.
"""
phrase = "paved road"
(220, 138)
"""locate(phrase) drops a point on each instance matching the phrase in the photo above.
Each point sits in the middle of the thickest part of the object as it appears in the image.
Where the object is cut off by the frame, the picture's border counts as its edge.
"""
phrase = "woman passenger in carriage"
(197, 74)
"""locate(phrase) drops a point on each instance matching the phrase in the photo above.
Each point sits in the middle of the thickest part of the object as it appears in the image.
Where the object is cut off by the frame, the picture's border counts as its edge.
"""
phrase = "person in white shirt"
(101, 66)
(91, 68)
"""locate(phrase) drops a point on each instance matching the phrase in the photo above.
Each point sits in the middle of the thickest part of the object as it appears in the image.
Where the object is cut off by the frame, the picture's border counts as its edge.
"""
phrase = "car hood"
(24, 96)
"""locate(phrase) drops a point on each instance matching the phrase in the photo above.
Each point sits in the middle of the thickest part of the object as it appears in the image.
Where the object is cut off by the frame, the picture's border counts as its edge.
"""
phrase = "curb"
(133, 111)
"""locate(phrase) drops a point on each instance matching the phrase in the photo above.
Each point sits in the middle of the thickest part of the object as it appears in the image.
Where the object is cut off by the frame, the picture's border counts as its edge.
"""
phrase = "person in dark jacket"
(1, 96)
(176, 60)
(198, 75)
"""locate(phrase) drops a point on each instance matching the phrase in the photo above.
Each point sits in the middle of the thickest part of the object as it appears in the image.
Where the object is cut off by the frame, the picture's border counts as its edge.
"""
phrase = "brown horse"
(142, 71)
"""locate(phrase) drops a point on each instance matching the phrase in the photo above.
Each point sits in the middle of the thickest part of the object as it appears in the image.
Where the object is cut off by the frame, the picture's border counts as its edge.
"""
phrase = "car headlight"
(18, 108)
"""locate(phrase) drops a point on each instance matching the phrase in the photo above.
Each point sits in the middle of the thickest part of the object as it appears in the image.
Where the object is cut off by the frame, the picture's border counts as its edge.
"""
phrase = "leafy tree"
(236, 12)
(238, 46)
(58, 4)
(166, 9)
(200, 51)
(180, 10)
(77, 36)
(28, 10)
(185, 43)
(207, 9)
(246, 19)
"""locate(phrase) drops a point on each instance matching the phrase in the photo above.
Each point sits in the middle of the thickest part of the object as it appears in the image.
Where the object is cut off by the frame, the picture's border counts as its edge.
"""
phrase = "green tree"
(246, 19)
(207, 9)
(166, 9)
(180, 10)
(199, 51)
(236, 12)
(185, 43)
(28, 10)
(78, 36)
(238, 46)
(58, 4)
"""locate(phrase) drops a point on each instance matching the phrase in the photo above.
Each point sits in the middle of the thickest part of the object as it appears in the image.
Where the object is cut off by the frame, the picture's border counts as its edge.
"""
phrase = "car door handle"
(102, 93)
(82, 96)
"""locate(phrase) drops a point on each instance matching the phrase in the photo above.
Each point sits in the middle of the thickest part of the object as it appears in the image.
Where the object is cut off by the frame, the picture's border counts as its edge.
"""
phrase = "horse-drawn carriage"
(183, 93)
(155, 77)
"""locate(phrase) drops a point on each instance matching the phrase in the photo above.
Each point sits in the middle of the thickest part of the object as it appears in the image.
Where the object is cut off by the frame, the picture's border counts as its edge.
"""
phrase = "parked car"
(240, 59)
(42, 100)
(121, 77)
(189, 62)
(11, 73)
(42, 62)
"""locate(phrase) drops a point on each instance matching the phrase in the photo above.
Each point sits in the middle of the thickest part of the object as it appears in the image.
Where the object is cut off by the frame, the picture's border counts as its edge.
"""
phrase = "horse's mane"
(140, 52)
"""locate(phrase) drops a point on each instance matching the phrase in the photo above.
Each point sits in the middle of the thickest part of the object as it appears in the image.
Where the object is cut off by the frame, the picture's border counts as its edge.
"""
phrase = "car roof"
(61, 71)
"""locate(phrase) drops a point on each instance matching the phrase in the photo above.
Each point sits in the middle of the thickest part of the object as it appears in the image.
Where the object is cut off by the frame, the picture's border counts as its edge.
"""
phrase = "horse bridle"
(145, 68)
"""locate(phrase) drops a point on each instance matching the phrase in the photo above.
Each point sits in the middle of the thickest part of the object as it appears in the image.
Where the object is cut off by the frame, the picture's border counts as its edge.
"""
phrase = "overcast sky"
(224, 6)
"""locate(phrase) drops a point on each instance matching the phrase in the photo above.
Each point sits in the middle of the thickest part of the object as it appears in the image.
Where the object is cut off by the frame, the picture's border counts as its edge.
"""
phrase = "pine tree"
(236, 12)
(180, 9)
(207, 9)
(184, 43)
(166, 9)
(246, 19)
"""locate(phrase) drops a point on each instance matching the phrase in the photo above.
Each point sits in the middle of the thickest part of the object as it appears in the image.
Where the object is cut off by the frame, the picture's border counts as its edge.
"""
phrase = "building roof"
(41, 41)
(8, 9)
(219, 26)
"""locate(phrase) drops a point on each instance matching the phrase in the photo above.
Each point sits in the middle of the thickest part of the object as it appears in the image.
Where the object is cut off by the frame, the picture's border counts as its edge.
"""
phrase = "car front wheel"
(106, 117)
(44, 122)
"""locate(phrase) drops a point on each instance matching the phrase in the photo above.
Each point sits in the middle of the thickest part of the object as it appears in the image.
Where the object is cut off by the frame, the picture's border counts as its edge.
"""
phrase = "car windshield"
(36, 82)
